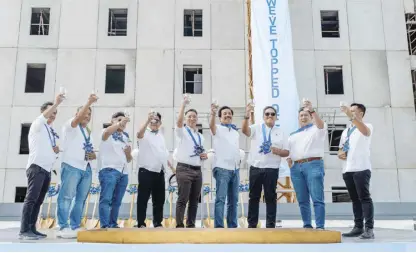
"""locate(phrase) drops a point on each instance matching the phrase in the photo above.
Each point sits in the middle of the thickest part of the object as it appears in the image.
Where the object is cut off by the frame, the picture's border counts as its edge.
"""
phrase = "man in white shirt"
(189, 154)
(268, 146)
(115, 154)
(76, 172)
(355, 152)
(43, 153)
(226, 164)
(306, 147)
(152, 164)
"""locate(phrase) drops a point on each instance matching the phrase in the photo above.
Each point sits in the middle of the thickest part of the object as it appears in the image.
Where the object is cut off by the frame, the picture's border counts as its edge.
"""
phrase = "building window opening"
(117, 22)
(192, 24)
(39, 22)
(192, 79)
(334, 83)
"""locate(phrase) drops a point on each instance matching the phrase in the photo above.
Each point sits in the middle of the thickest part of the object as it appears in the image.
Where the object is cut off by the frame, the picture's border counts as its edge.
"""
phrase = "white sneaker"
(67, 233)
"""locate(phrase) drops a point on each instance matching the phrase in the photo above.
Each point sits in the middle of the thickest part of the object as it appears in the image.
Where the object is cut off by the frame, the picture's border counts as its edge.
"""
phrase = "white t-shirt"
(112, 153)
(358, 156)
(308, 143)
(185, 146)
(73, 146)
(226, 144)
(278, 139)
(40, 147)
(153, 154)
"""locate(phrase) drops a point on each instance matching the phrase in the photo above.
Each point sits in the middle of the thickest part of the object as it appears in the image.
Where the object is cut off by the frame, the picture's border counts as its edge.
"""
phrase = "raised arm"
(319, 123)
(357, 122)
(142, 130)
(246, 127)
(212, 125)
(179, 122)
(113, 128)
(84, 110)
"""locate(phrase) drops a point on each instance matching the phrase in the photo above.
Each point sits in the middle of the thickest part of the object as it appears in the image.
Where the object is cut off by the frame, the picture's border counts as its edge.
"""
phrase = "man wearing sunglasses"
(268, 145)
(306, 147)
(152, 164)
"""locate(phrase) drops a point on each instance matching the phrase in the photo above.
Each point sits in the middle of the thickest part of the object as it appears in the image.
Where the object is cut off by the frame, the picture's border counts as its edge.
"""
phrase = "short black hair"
(118, 114)
(45, 106)
(361, 107)
(302, 109)
(269, 107)
(191, 110)
(160, 116)
(225, 108)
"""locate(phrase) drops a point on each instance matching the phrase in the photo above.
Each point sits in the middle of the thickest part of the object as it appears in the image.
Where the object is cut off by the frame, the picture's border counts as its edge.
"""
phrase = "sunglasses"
(267, 114)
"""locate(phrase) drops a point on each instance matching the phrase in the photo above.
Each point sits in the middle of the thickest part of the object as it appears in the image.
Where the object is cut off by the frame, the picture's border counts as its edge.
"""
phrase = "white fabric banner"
(273, 72)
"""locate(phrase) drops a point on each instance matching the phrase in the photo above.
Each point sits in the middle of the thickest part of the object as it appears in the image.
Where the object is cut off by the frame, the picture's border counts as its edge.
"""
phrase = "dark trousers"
(262, 178)
(150, 183)
(38, 181)
(358, 186)
(189, 180)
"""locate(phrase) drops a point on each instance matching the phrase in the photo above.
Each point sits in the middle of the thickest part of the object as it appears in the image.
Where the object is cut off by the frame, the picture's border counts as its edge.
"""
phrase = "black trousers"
(358, 186)
(150, 183)
(262, 178)
(38, 181)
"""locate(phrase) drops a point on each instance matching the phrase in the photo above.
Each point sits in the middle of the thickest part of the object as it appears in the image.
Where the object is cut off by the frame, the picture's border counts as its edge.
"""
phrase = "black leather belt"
(192, 167)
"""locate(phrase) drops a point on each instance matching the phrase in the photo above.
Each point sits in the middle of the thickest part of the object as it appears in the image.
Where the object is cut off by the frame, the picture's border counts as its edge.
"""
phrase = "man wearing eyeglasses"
(268, 145)
(152, 165)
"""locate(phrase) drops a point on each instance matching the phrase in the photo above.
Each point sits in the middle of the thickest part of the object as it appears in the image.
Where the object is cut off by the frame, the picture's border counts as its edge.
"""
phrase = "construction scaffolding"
(411, 32)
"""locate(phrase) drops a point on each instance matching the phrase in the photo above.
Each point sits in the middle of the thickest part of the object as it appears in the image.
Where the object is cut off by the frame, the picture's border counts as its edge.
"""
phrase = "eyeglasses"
(267, 114)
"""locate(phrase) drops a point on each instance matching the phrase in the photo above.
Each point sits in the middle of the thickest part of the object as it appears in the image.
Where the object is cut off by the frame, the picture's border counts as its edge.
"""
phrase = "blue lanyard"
(302, 129)
(350, 132)
(193, 138)
(51, 137)
(87, 145)
(198, 149)
(265, 147)
(87, 140)
(346, 146)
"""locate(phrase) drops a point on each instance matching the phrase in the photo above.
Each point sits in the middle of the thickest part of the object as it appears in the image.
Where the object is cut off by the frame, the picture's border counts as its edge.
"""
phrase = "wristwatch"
(246, 117)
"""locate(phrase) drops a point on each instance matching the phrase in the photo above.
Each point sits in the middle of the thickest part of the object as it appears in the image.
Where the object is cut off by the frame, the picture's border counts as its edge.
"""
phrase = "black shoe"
(368, 234)
(29, 235)
(39, 234)
(180, 226)
(354, 232)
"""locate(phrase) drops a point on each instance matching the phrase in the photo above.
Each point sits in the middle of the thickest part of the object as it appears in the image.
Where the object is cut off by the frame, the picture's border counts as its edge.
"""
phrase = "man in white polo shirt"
(152, 164)
(43, 153)
(268, 146)
(226, 165)
(355, 153)
(306, 147)
(189, 154)
(115, 154)
(76, 172)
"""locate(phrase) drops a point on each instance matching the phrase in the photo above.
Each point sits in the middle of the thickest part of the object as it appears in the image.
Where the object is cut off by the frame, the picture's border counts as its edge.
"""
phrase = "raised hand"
(92, 99)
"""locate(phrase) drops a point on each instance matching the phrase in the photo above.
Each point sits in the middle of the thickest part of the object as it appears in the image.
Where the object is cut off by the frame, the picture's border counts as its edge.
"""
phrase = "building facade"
(143, 55)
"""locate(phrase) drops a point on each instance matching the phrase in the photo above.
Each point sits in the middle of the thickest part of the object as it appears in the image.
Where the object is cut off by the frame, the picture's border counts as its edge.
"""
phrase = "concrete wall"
(372, 50)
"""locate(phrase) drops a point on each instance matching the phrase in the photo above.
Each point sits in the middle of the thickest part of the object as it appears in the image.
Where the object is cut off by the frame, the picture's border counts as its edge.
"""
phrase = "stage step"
(208, 236)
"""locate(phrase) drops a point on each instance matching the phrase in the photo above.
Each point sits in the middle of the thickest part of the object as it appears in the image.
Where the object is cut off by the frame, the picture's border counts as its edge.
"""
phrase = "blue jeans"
(113, 186)
(75, 183)
(227, 182)
(308, 181)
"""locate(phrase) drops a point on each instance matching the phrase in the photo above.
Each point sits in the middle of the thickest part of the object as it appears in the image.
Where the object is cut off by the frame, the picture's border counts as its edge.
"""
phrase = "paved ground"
(393, 236)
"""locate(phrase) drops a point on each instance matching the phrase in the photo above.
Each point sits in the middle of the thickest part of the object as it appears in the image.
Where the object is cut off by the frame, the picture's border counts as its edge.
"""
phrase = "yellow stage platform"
(208, 236)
